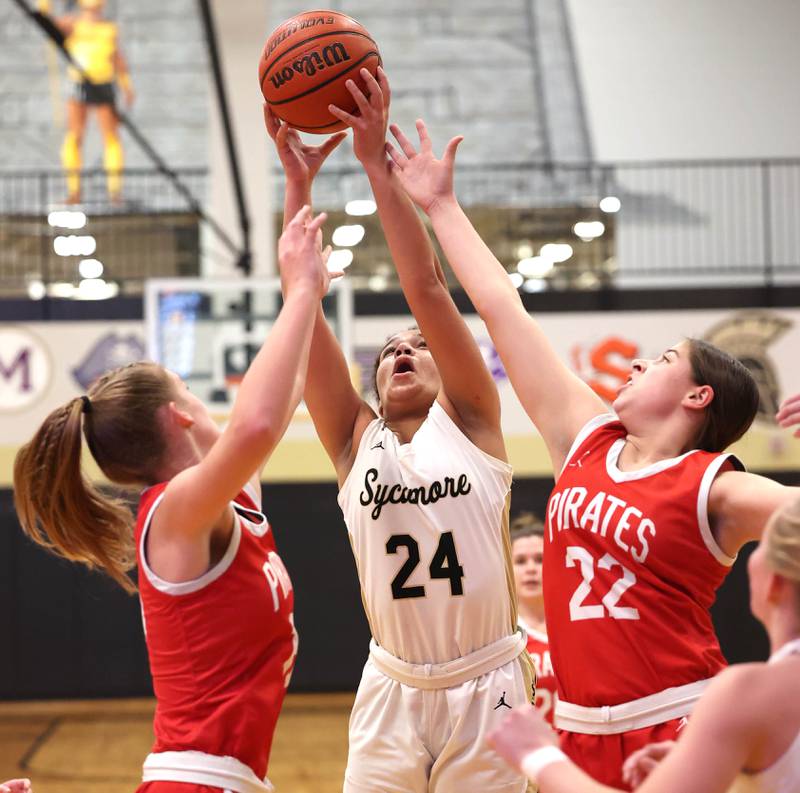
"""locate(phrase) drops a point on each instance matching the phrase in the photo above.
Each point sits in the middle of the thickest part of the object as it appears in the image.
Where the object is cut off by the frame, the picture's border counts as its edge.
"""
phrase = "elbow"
(495, 305)
(256, 438)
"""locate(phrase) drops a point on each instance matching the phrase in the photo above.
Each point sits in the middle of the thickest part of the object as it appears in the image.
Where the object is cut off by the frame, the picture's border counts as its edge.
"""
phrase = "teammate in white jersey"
(744, 734)
(424, 488)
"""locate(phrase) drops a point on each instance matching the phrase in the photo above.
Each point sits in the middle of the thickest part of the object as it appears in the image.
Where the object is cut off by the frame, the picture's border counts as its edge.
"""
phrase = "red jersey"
(221, 647)
(546, 692)
(630, 571)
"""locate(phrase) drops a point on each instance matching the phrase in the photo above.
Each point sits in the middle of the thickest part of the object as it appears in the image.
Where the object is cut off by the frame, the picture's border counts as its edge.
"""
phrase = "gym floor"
(98, 746)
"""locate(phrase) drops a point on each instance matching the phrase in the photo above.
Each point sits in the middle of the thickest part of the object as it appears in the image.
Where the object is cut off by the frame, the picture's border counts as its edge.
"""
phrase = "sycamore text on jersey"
(400, 494)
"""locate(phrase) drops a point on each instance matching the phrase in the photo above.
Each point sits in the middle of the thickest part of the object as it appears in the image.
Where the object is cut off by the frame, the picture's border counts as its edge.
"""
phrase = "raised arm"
(558, 402)
(338, 412)
(60, 27)
(469, 393)
(196, 500)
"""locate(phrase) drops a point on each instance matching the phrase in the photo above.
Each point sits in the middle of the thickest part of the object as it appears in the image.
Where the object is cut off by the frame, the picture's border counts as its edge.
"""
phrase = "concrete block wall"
(501, 73)
(165, 48)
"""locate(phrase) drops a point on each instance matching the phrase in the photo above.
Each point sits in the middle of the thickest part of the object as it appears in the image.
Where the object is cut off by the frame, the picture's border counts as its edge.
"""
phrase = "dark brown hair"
(526, 524)
(58, 506)
(735, 402)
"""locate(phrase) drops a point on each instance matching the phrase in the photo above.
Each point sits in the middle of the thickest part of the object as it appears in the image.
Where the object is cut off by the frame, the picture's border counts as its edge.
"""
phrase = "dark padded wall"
(70, 633)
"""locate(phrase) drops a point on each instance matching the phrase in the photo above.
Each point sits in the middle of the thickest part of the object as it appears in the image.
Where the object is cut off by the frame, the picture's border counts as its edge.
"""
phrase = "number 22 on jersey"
(608, 605)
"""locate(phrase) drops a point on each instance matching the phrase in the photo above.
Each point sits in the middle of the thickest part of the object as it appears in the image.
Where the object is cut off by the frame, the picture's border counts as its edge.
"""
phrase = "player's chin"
(621, 400)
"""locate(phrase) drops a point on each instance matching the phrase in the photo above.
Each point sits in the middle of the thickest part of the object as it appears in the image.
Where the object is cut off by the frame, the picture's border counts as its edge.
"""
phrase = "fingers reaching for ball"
(302, 260)
(369, 118)
(300, 161)
(271, 122)
(425, 179)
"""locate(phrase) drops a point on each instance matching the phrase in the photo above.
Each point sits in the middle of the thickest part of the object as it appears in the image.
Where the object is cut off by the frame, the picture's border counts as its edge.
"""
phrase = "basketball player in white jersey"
(424, 487)
(744, 734)
(648, 512)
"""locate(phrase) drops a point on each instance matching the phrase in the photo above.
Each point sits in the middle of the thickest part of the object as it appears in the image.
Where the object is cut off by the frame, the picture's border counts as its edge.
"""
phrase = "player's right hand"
(369, 126)
(300, 162)
(638, 765)
(302, 261)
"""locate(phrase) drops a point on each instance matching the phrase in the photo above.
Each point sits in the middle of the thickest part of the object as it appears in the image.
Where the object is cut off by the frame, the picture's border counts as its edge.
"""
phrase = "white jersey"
(428, 522)
(783, 776)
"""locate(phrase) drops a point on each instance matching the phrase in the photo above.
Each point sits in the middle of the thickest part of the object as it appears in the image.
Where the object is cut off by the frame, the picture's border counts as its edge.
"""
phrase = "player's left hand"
(788, 414)
(638, 765)
(426, 179)
(369, 126)
(300, 162)
(301, 258)
(523, 730)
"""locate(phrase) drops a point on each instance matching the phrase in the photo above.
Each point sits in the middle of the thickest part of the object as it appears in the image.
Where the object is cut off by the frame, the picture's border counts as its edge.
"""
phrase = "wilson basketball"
(305, 64)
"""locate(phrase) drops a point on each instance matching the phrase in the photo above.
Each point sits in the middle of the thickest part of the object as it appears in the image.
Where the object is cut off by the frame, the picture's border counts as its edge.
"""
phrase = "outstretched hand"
(640, 763)
(301, 258)
(788, 414)
(427, 180)
(300, 162)
(369, 126)
(523, 730)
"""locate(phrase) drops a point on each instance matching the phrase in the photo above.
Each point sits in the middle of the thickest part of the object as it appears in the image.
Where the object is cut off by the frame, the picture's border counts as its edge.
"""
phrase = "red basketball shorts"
(602, 756)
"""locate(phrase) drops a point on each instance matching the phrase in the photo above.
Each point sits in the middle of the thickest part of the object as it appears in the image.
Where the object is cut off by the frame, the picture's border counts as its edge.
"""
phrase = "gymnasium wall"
(71, 633)
(163, 44)
(675, 79)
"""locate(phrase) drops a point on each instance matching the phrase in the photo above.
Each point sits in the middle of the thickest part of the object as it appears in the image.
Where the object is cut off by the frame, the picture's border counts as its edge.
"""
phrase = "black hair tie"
(87, 404)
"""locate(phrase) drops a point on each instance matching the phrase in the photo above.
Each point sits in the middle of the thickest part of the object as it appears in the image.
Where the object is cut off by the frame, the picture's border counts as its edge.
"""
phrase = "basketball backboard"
(208, 331)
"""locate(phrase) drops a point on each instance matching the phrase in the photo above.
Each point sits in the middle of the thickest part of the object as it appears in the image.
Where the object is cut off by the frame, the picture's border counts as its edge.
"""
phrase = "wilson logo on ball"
(310, 64)
(306, 64)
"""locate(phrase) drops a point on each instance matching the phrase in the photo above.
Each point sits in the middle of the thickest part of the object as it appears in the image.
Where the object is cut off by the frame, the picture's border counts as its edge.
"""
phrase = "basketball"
(305, 64)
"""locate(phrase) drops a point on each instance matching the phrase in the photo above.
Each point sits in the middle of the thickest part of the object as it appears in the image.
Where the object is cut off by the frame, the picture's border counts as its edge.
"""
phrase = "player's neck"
(180, 456)
(783, 626)
(532, 614)
(405, 428)
(643, 450)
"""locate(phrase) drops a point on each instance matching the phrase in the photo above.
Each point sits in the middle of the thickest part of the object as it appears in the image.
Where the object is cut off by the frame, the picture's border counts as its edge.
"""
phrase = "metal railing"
(679, 223)
(153, 231)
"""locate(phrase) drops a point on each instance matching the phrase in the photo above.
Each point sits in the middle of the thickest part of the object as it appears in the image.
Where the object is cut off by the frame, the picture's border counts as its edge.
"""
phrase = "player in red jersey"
(744, 735)
(527, 545)
(647, 514)
(216, 598)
